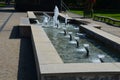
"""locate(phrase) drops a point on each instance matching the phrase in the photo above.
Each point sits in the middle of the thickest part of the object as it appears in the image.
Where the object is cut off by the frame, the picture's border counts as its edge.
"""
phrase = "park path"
(4, 16)
(16, 55)
(105, 27)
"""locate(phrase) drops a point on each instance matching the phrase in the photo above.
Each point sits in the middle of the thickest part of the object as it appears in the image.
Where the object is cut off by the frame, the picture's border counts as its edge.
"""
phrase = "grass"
(77, 12)
(112, 14)
(115, 15)
(2, 4)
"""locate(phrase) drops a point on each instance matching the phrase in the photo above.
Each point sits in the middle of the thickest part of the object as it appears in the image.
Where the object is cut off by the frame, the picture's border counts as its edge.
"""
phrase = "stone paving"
(15, 64)
(4, 16)
(105, 27)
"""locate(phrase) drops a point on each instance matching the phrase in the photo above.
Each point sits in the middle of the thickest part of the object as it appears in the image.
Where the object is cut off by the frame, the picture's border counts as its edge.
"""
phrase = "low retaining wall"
(107, 20)
(108, 39)
(44, 51)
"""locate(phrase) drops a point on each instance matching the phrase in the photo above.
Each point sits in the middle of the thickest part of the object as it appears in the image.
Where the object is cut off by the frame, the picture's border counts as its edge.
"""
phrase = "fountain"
(76, 38)
(101, 57)
(70, 37)
(65, 33)
(66, 18)
(83, 57)
(45, 21)
(101, 60)
(71, 40)
(86, 45)
(81, 35)
(87, 52)
(55, 17)
(77, 44)
(88, 49)
(69, 32)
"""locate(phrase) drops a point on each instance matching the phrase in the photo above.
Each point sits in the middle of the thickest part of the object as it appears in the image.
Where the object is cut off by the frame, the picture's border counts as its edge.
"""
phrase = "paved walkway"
(16, 55)
(3, 19)
(105, 27)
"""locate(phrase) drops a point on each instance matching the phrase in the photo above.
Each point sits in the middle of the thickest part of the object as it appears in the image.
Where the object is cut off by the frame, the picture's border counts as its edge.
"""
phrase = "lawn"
(2, 4)
(77, 12)
(112, 14)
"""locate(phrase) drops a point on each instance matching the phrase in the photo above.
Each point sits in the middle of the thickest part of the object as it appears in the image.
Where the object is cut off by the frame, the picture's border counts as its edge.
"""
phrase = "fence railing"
(64, 6)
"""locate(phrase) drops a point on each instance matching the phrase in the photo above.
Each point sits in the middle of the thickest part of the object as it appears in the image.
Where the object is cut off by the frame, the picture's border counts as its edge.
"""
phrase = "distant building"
(35, 5)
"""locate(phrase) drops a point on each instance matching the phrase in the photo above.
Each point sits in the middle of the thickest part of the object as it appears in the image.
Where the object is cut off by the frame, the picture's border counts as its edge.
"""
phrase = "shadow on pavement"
(15, 33)
(27, 67)
(26, 64)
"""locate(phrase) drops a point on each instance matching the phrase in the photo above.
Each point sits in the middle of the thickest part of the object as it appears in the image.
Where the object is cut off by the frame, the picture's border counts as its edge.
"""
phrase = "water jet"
(87, 52)
(77, 44)
(70, 37)
(65, 33)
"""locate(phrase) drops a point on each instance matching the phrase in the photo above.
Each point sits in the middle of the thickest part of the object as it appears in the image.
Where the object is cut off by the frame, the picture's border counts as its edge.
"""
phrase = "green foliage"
(115, 15)
(73, 4)
(100, 4)
(77, 12)
(2, 5)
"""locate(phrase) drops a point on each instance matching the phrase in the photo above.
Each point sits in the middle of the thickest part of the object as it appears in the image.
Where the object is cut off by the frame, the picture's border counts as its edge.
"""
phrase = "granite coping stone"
(39, 35)
(46, 53)
(45, 47)
(70, 68)
(31, 15)
(42, 38)
(64, 16)
(103, 33)
(24, 21)
(48, 58)
(94, 25)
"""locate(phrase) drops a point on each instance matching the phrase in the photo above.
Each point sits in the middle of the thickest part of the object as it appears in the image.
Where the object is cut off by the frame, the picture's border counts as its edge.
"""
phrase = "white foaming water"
(96, 60)
(66, 18)
(67, 36)
(61, 32)
(69, 32)
(37, 22)
(86, 45)
(81, 34)
(101, 56)
(76, 28)
(64, 28)
(45, 21)
(76, 38)
(72, 42)
(82, 50)
(55, 17)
